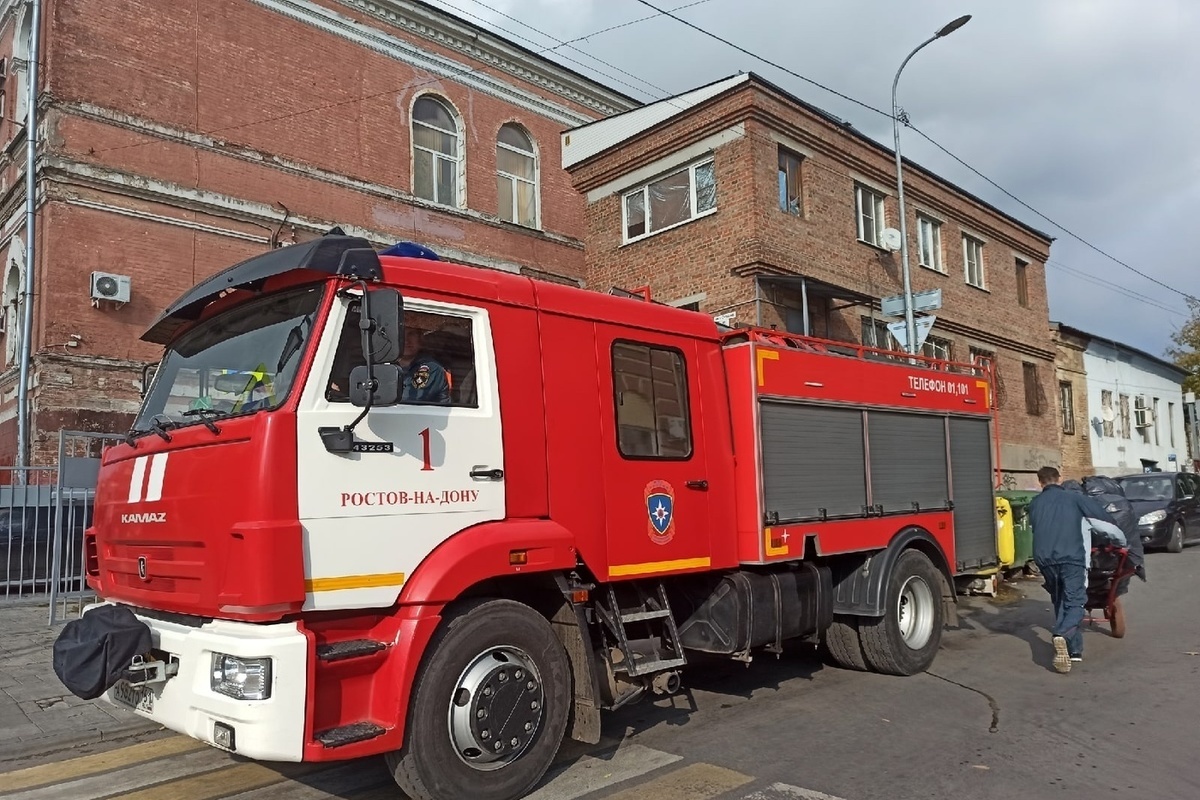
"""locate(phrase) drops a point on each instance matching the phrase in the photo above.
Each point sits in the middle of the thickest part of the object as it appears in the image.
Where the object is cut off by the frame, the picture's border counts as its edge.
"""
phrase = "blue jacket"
(1057, 518)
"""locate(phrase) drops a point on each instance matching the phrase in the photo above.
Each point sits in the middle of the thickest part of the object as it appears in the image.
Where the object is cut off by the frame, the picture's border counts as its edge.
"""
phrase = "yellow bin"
(1006, 542)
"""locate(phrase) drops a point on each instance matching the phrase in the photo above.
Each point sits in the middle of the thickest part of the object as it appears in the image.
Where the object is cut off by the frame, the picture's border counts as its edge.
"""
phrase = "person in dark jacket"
(1058, 550)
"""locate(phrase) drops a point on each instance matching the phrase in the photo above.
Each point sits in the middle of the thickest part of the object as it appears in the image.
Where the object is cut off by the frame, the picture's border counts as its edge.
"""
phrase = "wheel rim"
(1177, 533)
(496, 708)
(914, 613)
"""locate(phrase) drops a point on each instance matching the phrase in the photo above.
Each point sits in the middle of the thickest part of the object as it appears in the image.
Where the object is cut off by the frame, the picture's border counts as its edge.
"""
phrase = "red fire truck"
(559, 497)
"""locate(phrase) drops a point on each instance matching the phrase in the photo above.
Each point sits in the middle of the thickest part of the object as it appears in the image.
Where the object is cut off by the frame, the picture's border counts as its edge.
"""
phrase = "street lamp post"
(909, 323)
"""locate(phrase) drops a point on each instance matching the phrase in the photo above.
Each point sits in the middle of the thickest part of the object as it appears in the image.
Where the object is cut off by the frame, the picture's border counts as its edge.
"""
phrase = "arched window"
(516, 176)
(14, 267)
(437, 152)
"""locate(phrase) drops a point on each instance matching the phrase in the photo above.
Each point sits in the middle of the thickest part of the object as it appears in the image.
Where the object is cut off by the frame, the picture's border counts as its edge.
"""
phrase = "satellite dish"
(891, 239)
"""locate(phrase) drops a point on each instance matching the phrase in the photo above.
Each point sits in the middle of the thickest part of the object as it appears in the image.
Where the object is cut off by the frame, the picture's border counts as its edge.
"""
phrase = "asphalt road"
(990, 720)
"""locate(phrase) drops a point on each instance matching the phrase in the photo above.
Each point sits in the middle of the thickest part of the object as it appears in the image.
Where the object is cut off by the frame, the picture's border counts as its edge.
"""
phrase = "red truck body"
(642, 482)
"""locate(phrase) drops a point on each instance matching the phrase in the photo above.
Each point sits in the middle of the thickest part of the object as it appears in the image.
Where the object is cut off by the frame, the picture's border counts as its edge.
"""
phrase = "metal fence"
(43, 514)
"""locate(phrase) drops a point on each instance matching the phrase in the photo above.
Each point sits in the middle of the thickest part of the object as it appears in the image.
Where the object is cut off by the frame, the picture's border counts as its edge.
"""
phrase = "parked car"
(1167, 505)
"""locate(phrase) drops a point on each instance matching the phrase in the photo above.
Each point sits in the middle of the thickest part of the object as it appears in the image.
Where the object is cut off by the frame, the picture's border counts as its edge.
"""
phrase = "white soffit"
(586, 141)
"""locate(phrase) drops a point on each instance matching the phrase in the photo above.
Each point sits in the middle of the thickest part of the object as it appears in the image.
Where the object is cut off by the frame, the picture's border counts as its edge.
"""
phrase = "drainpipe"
(31, 141)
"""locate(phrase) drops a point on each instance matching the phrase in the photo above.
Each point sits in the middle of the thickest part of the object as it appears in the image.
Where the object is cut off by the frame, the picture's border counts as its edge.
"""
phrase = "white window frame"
(936, 263)
(460, 161)
(537, 175)
(878, 210)
(644, 190)
(970, 242)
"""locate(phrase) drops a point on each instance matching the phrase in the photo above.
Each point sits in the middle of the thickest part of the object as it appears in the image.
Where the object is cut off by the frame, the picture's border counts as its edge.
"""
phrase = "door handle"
(701, 485)
(487, 474)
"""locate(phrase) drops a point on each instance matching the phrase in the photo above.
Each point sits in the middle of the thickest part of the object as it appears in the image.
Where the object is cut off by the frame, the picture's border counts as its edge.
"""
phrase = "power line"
(405, 87)
(795, 74)
(1061, 227)
(642, 81)
(767, 61)
(1122, 290)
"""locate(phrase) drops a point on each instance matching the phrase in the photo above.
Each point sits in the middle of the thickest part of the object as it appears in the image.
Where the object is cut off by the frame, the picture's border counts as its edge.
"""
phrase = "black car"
(1167, 505)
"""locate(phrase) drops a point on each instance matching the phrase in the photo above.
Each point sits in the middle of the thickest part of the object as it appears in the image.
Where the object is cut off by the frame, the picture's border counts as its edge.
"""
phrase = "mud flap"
(93, 652)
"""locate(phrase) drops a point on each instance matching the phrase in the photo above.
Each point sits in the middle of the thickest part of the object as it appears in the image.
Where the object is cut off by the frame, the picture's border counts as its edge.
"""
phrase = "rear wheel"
(489, 707)
(904, 641)
(841, 645)
(1175, 543)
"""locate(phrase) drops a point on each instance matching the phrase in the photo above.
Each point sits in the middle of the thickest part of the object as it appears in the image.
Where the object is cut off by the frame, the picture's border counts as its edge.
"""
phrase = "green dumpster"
(1019, 500)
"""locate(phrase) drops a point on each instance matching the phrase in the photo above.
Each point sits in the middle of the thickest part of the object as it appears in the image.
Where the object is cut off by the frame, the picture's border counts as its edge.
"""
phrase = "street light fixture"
(909, 324)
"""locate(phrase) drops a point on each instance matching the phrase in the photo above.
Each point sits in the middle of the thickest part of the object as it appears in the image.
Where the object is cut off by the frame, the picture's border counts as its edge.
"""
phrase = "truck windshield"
(241, 361)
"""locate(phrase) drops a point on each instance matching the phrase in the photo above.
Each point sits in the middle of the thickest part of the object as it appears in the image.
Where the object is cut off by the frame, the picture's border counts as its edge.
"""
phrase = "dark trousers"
(1068, 593)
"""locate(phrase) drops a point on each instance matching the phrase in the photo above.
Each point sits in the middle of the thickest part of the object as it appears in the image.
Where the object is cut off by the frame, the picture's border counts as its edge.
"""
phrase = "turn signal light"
(518, 558)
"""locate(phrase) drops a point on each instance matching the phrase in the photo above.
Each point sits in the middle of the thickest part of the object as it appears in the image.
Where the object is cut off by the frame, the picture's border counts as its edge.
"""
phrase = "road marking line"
(83, 766)
(209, 785)
(356, 779)
(129, 778)
(693, 782)
(784, 791)
(591, 772)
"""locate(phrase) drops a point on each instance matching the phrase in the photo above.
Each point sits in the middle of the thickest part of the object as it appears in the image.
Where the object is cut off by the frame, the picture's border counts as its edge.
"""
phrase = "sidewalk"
(37, 713)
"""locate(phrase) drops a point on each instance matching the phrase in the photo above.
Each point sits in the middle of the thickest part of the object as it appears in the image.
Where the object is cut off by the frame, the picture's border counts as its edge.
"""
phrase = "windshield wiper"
(160, 424)
(207, 415)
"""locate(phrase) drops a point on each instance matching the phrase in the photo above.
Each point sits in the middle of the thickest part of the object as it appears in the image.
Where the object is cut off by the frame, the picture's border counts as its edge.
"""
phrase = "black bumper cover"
(93, 652)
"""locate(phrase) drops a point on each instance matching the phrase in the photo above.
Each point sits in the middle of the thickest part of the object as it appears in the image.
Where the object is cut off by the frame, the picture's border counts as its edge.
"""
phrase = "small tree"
(1186, 352)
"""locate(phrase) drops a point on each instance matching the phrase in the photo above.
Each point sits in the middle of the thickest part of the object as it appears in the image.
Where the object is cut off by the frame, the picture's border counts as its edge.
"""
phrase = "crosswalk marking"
(209, 785)
(783, 791)
(693, 782)
(127, 778)
(574, 779)
(180, 768)
(97, 762)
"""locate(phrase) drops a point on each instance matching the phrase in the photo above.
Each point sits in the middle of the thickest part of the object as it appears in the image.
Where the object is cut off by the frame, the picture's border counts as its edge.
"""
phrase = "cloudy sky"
(1085, 110)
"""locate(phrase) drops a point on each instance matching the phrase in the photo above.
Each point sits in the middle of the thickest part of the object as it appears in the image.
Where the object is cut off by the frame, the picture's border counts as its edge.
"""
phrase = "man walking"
(1061, 555)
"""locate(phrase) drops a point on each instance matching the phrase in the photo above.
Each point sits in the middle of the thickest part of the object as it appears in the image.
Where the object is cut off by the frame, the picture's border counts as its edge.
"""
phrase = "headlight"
(241, 678)
(1152, 517)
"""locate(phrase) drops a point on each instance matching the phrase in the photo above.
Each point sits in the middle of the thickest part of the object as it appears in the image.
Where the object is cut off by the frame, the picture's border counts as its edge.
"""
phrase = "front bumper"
(268, 730)
(1156, 534)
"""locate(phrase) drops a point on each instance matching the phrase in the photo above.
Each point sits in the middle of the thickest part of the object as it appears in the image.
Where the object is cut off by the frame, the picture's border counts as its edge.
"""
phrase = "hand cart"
(1110, 565)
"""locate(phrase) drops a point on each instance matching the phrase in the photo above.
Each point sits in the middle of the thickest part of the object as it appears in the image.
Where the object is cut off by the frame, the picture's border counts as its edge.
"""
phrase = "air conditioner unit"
(107, 286)
(1141, 414)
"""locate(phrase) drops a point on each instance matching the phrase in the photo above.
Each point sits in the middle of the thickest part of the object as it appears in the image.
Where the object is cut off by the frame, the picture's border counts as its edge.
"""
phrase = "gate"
(43, 514)
(78, 468)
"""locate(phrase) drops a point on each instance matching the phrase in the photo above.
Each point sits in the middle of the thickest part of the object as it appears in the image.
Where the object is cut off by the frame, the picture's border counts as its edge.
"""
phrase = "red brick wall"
(750, 231)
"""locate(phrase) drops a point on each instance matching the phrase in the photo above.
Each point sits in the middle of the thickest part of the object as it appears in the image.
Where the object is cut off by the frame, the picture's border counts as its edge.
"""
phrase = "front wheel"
(489, 707)
(905, 640)
(1175, 543)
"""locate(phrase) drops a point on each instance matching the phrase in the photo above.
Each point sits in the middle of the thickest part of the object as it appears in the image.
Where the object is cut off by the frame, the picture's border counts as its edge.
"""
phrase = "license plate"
(139, 698)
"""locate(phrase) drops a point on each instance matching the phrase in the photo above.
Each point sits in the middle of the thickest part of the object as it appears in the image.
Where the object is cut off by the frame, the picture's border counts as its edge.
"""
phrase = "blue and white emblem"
(660, 508)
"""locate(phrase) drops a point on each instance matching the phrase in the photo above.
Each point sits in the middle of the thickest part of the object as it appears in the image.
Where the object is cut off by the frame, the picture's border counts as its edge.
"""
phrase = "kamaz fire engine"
(378, 503)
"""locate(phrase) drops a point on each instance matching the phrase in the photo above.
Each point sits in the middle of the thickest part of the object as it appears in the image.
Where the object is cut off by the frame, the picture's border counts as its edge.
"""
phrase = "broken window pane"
(670, 200)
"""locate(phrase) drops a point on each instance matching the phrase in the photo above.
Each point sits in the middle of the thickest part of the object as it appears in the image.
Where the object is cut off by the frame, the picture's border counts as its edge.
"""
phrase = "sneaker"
(1062, 658)
(1077, 659)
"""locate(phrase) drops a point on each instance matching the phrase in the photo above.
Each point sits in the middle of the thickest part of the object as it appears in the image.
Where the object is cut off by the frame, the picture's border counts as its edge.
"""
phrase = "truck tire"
(841, 645)
(492, 663)
(906, 638)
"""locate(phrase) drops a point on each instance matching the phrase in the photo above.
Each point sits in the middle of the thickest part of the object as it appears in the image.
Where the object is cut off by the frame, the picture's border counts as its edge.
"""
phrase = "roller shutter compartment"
(812, 459)
(908, 462)
(974, 500)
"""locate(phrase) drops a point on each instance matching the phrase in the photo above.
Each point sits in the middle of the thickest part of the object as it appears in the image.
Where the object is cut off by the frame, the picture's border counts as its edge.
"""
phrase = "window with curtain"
(516, 176)
(437, 152)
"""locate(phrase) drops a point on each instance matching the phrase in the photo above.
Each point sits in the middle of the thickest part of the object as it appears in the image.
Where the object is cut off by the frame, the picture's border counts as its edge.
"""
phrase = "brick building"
(739, 199)
(179, 138)
(1071, 372)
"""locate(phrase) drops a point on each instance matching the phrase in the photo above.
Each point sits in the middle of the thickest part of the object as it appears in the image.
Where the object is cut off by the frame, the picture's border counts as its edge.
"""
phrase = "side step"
(355, 648)
(349, 734)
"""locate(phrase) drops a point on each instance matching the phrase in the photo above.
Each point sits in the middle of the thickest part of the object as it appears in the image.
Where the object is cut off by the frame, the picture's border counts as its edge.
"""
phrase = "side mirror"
(386, 390)
(147, 377)
(387, 326)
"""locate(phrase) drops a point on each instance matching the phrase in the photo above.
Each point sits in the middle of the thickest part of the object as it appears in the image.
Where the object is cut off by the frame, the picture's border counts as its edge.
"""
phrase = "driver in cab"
(425, 380)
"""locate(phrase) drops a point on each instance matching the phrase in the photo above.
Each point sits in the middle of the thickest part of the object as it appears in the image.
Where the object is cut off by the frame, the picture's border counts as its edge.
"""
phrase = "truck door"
(370, 518)
(655, 471)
